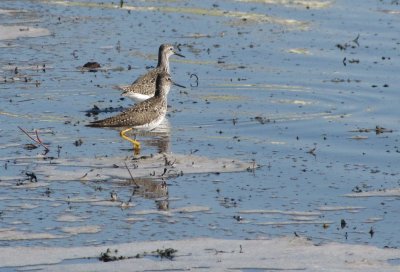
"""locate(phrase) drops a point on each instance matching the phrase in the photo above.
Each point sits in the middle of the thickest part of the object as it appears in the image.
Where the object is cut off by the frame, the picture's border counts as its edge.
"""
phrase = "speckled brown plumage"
(144, 87)
(145, 115)
(145, 84)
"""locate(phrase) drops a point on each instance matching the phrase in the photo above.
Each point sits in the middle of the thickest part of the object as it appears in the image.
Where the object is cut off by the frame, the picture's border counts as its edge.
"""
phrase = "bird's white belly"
(137, 96)
(152, 125)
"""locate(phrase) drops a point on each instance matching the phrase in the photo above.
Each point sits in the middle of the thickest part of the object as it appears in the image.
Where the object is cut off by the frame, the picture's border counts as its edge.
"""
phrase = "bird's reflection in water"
(158, 137)
(162, 205)
(151, 189)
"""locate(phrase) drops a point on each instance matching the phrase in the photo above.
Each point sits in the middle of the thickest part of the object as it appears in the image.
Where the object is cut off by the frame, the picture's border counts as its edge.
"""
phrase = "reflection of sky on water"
(267, 92)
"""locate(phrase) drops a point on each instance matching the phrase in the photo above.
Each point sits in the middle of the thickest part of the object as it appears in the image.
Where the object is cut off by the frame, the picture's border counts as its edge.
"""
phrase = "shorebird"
(145, 86)
(145, 115)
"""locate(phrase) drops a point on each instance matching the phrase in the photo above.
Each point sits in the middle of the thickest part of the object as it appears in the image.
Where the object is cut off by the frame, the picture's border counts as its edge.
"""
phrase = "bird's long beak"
(176, 84)
(176, 53)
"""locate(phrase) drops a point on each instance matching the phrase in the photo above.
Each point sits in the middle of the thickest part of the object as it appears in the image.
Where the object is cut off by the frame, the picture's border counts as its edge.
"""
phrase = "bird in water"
(145, 115)
(145, 86)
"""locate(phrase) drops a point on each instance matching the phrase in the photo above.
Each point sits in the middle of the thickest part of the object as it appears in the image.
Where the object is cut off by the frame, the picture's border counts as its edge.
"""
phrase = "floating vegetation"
(243, 16)
(340, 208)
(69, 218)
(81, 229)
(12, 235)
(40, 117)
(95, 110)
(112, 255)
(377, 130)
(168, 253)
(292, 213)
(194, 253)
(272, 87)
(358, 137)
(109, 257)
(226, 97)
(14, 32)
(309, 4)
(299, 51)
(104, 168)
(261, 119)
(377, 193)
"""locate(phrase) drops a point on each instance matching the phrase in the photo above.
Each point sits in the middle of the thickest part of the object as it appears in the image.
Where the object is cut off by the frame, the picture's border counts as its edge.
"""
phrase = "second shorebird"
(145, 115)
(145, 86)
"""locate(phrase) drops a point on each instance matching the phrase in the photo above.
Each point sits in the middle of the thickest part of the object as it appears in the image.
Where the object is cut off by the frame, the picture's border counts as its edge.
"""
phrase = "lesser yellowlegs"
(145, 115)
(145, 86)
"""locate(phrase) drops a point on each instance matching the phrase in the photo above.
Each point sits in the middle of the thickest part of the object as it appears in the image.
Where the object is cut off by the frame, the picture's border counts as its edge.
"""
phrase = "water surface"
(298, 88)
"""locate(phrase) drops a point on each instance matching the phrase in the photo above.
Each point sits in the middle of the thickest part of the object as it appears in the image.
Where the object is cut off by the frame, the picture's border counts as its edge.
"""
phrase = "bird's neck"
(161, 92)
(163, 63)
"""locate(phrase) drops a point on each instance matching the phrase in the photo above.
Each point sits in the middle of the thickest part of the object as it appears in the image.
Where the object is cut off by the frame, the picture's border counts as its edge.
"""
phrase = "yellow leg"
(136, 144)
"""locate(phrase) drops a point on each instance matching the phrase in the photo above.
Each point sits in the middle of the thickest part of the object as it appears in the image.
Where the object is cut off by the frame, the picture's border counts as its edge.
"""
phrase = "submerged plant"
(168, 253)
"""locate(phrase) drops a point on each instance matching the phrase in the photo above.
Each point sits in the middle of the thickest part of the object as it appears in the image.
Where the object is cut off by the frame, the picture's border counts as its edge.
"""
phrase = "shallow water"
(273, 88)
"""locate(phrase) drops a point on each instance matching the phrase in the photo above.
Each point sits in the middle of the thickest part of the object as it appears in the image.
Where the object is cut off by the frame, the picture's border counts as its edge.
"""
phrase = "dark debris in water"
(78, 142)
(168, 253)
(92, 66)
(228, 202)
(30, 146)
(262, 120)
(96, 110)
(352, 44)
(371, 232)
(365, 187)
(377, 130)
(342, 80)
(312, 151)
(31, 176)
(112, 255)
(37, 140)
(351, 61)
(109, 257)
(343, 223)
(196, 82)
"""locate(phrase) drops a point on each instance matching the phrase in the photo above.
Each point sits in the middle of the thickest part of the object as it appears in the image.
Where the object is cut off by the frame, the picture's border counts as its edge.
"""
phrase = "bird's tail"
(123, 88)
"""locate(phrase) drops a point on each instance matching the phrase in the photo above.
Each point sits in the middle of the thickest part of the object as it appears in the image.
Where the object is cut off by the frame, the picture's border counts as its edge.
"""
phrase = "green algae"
(244, 16)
